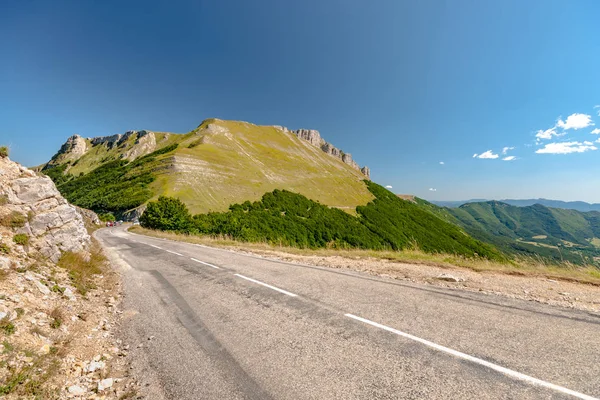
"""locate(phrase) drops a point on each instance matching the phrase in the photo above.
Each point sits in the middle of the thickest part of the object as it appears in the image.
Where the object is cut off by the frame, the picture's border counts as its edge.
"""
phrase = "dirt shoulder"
(542, 286)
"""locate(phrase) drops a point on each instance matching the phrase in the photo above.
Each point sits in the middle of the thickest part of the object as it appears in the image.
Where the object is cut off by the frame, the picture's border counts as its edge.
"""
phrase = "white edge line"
(269, 286)
(174, 252)
(156, 247)
(205, 263)
(506, 371)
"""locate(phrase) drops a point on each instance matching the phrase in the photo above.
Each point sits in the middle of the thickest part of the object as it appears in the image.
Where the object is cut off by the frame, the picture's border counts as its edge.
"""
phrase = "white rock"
(95, 366)
(3, 315)
(42, 288)
(69, 294)
(105, 384)
(76, 390)
(449, 278)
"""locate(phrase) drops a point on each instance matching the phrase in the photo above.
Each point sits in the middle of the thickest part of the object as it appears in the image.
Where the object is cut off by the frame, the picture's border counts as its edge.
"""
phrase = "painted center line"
(269, 286)
(205, 263)
(495, 367)
(174, 252)
(156, 247)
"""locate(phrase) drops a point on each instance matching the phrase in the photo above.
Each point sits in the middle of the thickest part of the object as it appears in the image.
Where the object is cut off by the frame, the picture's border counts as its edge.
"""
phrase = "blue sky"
(402, 85)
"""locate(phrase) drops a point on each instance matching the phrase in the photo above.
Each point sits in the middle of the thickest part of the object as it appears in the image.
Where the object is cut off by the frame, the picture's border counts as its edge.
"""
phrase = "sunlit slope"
(215, 165)
(225, 162)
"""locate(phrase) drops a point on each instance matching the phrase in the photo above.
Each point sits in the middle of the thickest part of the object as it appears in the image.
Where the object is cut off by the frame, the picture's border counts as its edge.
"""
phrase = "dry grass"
(534, 267)
(82, 267)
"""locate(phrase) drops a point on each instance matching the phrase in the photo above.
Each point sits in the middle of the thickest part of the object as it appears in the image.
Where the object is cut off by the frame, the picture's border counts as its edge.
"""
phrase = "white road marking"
(205, 263)
(264, 284)
(156, 247)
(495, 367)
(174, 252)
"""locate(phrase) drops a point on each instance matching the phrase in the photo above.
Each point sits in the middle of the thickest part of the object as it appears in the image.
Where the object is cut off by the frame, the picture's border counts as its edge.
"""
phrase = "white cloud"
(595, 131)
(566, 148)
(487, 154)
(441, 163)
(547, 134)
(597, 108)
(575, 121)
(509, 158)
(506, 149)
(389, 186)
(432, 190)
(475, 155)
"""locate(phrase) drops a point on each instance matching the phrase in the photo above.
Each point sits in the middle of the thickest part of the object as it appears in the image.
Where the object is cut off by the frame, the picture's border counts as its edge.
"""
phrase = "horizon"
(461, 101)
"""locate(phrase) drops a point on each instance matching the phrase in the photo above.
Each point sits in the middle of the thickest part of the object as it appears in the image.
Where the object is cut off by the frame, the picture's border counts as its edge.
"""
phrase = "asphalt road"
(207, 323)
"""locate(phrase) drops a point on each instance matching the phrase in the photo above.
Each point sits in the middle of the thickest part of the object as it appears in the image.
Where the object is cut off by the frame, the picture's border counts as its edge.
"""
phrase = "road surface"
(207, 323)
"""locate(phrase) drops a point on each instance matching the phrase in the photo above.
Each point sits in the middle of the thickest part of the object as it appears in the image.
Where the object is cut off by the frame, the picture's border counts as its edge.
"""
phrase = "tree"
(168, 213)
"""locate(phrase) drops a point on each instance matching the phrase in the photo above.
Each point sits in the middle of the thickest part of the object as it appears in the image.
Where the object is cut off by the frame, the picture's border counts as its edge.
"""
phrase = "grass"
(4, 151)
(4, 249)
(6, 326)
(524, 266)
(21, 239)
(13, 220)
(28, 381)
(58, 317)
(82, 268)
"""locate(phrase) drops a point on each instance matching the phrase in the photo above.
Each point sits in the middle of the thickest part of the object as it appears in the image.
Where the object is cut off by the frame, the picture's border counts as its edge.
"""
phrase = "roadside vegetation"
(288, 219)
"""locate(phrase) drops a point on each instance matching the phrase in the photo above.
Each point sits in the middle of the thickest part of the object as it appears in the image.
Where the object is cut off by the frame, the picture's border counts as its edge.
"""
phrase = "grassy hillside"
(215, 165)
(290, 219)
(534, 230)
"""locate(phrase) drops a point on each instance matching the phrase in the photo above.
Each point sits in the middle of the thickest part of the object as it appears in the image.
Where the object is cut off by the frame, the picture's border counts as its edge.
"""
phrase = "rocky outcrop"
(314, 138)
(32, 205)
(145, 143)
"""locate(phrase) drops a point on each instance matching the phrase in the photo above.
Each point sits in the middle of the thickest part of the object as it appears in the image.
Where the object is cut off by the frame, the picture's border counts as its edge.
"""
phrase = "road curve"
(205, 323)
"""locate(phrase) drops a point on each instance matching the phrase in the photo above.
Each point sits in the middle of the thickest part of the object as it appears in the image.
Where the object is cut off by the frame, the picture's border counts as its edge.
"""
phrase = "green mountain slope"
(550, 232)
(286, 218)
(215, 165)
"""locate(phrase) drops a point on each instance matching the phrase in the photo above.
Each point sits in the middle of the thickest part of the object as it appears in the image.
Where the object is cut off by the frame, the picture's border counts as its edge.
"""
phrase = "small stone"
(105, 384)
(449, 278)
(95, 366)
(68, 293)
(76, 390)
(45, 349)
(42, 288)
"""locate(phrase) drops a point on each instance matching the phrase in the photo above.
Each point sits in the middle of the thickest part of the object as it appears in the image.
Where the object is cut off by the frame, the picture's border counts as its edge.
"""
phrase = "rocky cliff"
(314, 138)
(32, 206)
(56, 318)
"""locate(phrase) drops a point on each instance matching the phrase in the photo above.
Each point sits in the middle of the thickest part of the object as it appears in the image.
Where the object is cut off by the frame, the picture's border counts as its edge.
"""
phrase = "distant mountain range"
(567, 205)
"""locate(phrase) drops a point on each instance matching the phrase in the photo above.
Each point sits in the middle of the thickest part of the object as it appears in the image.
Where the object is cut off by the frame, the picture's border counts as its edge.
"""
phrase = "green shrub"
(168, 214)
(107, 217)
(3, 151)
(21, 239)
(4, 249)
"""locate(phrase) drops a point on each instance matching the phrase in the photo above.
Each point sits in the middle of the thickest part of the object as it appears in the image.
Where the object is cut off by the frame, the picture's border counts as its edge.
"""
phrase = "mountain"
(213, 166)
(264, 183)
(567, 205)
(532, 230)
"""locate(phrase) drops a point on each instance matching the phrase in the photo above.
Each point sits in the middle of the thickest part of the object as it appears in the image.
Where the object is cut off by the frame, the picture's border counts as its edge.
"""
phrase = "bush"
(4, 249)
(167, 214)
(81, 269)
(21, 239)
(3, 151)
(107, 217)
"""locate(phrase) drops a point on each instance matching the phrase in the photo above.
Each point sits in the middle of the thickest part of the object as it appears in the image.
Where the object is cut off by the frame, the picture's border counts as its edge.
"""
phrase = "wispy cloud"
(432, 190)
(509, 158)
(487, 154)
(597, 108)
(389, 186)
(441, 163)
(506, 149)
(547, 134)
(566, 148)
(595, 131)
(575, 121)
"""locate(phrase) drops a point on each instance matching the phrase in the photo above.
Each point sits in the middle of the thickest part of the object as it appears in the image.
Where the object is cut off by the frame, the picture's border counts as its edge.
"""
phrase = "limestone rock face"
(53, 225)
(366, 172)
(144, 144)
(310, 135)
